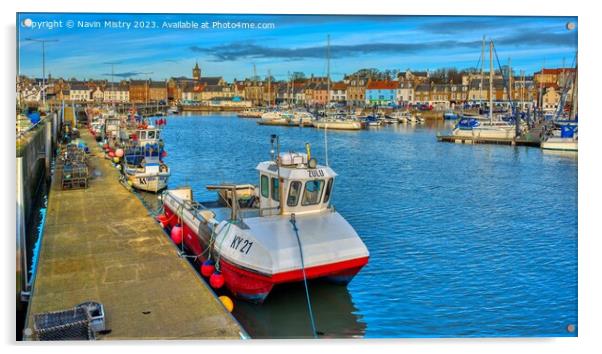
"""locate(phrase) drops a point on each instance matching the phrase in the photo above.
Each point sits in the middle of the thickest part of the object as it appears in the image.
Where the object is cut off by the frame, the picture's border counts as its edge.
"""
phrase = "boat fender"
(227, 302)
(163, 220)
(207, 268)
(176, 234)
(216, 280)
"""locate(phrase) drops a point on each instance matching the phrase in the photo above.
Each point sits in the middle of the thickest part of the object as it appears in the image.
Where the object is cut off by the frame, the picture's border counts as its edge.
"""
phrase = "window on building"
(265, 186)
(313, 192)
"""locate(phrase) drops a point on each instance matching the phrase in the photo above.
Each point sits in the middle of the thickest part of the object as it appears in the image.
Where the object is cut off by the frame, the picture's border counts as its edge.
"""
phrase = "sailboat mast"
(328, 70)
(491, 81)
(574, 111)
(482, 73)
(269, 89)
(510, 80)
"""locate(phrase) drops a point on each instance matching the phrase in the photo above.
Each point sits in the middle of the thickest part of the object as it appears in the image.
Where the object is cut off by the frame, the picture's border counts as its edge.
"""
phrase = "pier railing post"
(47, 147)
(21, 265)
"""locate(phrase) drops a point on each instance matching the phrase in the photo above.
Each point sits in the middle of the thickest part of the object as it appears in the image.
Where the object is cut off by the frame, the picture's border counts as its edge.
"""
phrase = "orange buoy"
(227, 302)
(111, 154)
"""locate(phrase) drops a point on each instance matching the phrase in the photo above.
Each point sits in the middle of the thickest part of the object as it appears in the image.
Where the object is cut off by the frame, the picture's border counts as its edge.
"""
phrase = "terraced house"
(381, 93)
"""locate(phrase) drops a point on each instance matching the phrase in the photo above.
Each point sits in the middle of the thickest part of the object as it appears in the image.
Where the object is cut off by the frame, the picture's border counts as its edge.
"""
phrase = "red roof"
(556, 71)
(339, 86)
(383, 85)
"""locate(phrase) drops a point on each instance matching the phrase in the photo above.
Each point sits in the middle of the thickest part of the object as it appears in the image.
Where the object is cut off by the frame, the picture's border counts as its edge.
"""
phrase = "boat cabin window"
(313, 192)
(265, 186)
(294, 193)
(328, 190)
(143, 135)
(275, 190)
(151, 134)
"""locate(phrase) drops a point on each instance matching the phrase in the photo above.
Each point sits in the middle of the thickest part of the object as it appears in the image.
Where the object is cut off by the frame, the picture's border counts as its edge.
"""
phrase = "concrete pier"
(100, 244)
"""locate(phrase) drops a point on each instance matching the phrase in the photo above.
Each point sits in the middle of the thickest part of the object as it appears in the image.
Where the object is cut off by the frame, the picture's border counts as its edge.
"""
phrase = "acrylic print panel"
(296, 176)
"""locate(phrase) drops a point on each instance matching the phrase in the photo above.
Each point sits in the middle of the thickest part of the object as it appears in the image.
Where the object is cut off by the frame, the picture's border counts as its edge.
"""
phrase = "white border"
(589, 160)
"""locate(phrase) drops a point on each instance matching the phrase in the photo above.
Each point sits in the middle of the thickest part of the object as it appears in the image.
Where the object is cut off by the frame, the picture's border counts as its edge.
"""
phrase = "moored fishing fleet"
(134, 145)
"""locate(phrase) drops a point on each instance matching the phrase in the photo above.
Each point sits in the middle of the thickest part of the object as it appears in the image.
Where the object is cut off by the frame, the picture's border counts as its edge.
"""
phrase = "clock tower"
(196, 72)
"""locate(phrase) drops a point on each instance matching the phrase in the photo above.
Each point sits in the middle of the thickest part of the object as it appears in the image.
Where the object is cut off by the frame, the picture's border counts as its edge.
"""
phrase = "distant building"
(116, 94)
(138, 91)
(157, 91)
(557, 76)
(79, 92)
(356, 91)
(381, 93)
(405, 93)
(338, 92)
(97, 94)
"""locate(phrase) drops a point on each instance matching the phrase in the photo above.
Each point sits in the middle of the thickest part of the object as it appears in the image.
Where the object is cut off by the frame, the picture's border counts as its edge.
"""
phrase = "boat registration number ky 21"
(241, 244)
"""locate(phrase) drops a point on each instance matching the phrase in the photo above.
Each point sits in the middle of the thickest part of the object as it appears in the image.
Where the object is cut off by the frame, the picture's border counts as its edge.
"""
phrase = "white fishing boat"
(283, 231)
(144, 169)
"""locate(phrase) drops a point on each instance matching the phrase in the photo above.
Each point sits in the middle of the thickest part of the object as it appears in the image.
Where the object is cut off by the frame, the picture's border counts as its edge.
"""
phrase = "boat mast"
(482, 72)
(574, 112)
(491, 81)
(327, 70)
(269, 88)
(510, 80)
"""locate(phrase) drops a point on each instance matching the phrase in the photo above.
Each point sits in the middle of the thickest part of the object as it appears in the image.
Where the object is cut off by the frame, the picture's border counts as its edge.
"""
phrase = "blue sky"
(294, 43)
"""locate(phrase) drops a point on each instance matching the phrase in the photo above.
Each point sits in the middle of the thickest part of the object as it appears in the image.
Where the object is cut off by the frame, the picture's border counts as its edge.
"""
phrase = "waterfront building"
(117, 94)
(356, 91)
(416, 77)
(98, 94)
(138, 91)
(556, 76)
(316, 94)
(381, 93)
(80, 92)
(405, 93)
(210, 92)
(338, 92)
(551, 97)
(458, 93)
(157, 91)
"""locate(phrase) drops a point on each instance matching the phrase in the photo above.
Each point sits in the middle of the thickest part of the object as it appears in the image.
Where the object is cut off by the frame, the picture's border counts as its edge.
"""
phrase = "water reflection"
(285, 313)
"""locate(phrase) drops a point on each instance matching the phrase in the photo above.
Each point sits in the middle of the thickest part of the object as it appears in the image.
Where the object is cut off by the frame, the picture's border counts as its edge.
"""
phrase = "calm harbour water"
(464, 240)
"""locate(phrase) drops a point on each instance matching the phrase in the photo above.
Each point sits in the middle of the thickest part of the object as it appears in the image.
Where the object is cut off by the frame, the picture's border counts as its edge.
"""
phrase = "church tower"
(196, 72)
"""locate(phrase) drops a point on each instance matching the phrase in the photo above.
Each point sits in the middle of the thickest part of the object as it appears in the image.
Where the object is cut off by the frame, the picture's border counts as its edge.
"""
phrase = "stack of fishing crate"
(74, 167)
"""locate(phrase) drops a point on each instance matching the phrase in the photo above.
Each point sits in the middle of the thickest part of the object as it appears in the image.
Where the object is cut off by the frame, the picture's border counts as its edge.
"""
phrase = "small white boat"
(563, 139)
(173, 110)
(337, 122)
(146, 172)
(485, 129)
(278, 118)
(284, 231)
